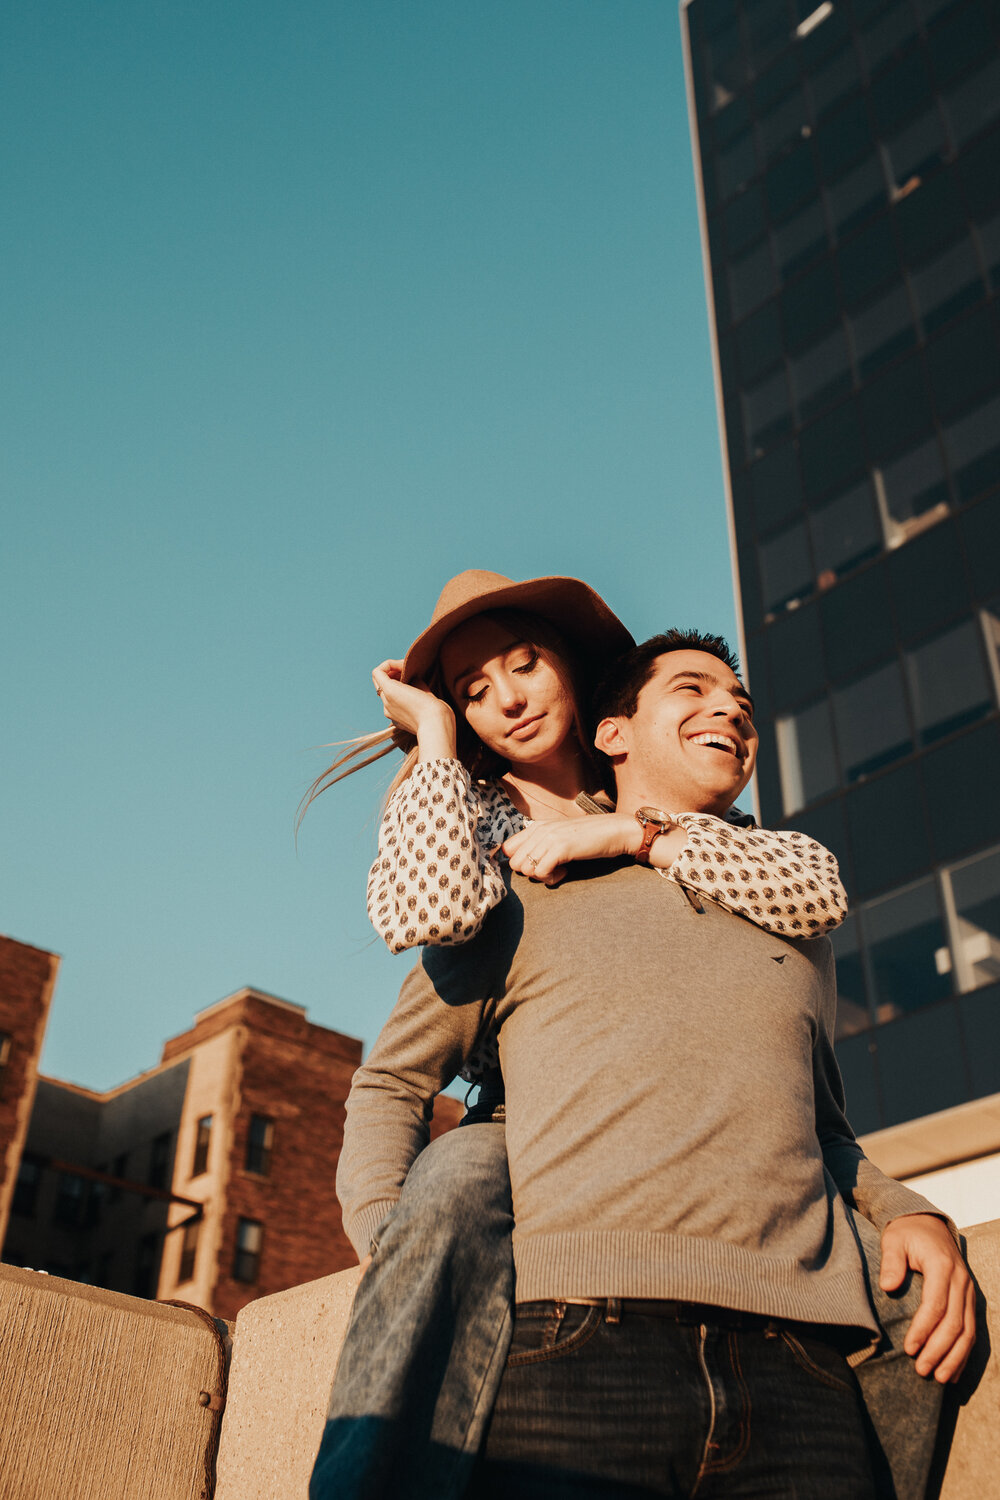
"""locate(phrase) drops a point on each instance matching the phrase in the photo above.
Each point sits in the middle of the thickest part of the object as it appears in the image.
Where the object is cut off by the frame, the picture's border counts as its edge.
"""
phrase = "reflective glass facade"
(849, 163)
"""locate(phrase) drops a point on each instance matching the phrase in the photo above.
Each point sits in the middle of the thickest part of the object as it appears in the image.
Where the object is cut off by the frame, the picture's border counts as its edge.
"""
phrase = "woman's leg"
(904, 1408)
(429, 1332)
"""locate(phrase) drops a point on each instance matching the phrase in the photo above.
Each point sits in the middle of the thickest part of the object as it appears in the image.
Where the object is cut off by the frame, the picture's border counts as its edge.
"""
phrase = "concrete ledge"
(285, 1352)
(103, 1394)
(287, 1346)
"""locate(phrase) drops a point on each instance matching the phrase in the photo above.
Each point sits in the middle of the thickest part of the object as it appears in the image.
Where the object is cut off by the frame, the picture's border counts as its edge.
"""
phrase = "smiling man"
(688, 1283)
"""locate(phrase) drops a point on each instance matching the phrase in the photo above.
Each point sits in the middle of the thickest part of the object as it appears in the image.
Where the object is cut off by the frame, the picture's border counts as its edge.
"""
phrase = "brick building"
(27, 979)
(208, 1179)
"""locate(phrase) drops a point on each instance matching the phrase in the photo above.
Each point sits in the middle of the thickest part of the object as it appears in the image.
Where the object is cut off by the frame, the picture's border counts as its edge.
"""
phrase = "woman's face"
(508, 690)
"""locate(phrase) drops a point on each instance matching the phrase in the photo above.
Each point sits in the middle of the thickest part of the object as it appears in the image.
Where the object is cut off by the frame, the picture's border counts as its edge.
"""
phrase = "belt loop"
(613, 1313)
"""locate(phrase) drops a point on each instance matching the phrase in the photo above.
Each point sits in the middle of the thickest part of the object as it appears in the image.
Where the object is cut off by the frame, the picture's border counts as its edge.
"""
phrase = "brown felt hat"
(571, 606)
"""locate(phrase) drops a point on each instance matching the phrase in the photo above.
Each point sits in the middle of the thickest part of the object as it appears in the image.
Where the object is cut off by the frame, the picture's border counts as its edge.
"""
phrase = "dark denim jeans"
(431, 1325)
(630, 1404)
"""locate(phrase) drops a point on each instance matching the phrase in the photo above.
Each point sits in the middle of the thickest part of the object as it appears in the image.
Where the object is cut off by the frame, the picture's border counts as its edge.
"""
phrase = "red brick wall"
(301, 1082)
(27, 977)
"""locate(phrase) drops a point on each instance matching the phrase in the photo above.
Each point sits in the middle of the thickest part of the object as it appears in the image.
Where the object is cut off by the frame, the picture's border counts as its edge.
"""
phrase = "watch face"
(653, 815)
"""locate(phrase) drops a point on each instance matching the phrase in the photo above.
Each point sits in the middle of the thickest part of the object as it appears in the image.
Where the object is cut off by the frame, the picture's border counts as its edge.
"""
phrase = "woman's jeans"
(429, 1335)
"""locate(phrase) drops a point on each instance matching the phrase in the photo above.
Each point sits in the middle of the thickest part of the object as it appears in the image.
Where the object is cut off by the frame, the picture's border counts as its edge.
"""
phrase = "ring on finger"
(532, 861)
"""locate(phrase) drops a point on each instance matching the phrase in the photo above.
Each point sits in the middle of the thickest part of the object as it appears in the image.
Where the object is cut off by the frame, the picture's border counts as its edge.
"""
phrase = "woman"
(489, 697)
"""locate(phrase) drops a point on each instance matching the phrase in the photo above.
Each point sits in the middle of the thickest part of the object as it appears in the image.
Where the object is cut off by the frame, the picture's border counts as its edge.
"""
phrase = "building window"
(912, 493)
(974, 889)
(200, 1163)
(147, 1266)
(159, 1160)
(872, 726)
(949, 687)
(189, 1250)
(767, 413)
(29, 1177)
(260, 1143)
(786, 570)
(947, 285)
(119, 1169)
(908, 950)
(883, 330)
(845, 533)
(246, 1262)
(806, 758)
(973, 447)
(853, 1014)
(70, 1194)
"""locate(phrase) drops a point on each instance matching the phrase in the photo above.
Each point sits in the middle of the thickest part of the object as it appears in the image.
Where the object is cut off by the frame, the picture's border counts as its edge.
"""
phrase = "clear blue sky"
(307, 307)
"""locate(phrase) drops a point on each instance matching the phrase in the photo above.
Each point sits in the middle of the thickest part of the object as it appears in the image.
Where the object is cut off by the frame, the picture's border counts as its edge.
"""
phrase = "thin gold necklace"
(536, 798)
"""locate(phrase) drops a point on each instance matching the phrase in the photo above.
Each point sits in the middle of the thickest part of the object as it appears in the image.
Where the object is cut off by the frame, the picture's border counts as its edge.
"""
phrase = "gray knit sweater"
(675, 1112)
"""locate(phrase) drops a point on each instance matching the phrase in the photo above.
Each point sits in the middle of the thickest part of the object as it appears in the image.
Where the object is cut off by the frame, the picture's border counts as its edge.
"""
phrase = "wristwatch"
(653, 821)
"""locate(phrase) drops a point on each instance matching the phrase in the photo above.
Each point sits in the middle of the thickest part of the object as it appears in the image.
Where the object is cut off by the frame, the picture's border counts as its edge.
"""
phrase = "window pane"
(913, 492)
(963, 363)
(783, 124)
(908, 950)
(989, 238)
(902, 91)
(872, 726)
(751, 280)
(974, 103)
(767, 412)
(744, 219)
(916, 150)
(883, 330)
(800, 239)
(790, 181)
(834, 80)
(833, 451)
(786, 568)
(736, 165)
(948, 682)
(846, 531)
(857, 196)
(973, 447)
(853, 1014)
(883, 37)
(809, 306)
(775, 487)
(822, 372)
(976, 890)
(725, 66)
(868, 262)
(947, 284)
(805, 755)
(843, 139)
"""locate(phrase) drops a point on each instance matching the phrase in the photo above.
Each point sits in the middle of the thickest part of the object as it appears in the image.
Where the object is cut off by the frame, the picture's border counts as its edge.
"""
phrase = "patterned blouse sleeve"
(782, 881)
(433, 880)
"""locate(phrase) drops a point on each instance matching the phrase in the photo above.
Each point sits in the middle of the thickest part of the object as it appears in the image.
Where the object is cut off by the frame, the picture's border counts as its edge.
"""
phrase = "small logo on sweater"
(778, 958)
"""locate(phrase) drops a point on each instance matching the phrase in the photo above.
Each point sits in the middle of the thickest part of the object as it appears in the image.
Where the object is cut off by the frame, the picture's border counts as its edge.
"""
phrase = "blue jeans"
(431, 1325)
(614, 1402)
(429, 1332)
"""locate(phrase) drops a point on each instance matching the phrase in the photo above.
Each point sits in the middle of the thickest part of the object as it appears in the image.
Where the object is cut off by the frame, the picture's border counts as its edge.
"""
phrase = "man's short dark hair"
(617, 697)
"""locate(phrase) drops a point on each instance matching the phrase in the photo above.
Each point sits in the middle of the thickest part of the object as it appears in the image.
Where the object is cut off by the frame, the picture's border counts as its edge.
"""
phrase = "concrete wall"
(106, 1395)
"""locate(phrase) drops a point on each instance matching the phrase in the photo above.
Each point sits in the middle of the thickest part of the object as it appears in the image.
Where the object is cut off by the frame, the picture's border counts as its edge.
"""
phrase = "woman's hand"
(411, 706)
(544, 849)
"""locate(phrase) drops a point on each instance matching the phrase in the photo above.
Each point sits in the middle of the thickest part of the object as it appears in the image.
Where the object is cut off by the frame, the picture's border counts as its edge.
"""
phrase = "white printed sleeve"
(782, 881)
(434, 880)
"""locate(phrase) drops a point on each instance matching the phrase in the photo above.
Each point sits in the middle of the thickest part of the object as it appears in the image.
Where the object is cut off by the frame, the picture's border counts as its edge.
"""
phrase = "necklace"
(561, 811)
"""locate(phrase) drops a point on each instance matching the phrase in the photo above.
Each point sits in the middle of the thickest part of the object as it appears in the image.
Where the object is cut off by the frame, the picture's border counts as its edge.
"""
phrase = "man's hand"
(943, 1330)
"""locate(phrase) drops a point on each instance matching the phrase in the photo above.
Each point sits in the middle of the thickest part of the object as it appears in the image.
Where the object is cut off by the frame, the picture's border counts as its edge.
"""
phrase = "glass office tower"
(848, 159)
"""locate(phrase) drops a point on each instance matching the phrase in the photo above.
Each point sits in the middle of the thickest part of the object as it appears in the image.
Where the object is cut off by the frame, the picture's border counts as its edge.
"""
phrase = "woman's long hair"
(481, 762)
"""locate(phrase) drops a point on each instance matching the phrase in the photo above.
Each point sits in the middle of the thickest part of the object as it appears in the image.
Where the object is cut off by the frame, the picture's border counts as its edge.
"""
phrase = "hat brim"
(577, 612)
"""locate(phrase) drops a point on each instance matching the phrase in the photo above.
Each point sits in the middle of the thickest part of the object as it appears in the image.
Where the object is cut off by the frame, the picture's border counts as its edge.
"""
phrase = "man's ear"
(611, 739)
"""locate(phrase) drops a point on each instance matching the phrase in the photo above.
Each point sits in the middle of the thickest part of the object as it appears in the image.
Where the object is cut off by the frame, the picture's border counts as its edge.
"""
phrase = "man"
(688, 1283)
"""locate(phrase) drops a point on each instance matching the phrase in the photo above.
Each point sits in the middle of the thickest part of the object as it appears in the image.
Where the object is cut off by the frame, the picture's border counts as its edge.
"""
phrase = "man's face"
(691, 744)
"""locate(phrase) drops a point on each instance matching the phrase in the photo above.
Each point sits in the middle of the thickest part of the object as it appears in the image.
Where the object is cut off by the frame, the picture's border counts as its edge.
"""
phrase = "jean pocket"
(549, 1330)
(819, 1359)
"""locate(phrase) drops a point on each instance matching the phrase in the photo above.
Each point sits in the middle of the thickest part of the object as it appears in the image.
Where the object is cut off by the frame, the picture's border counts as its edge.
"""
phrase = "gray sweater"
(675, 1111)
